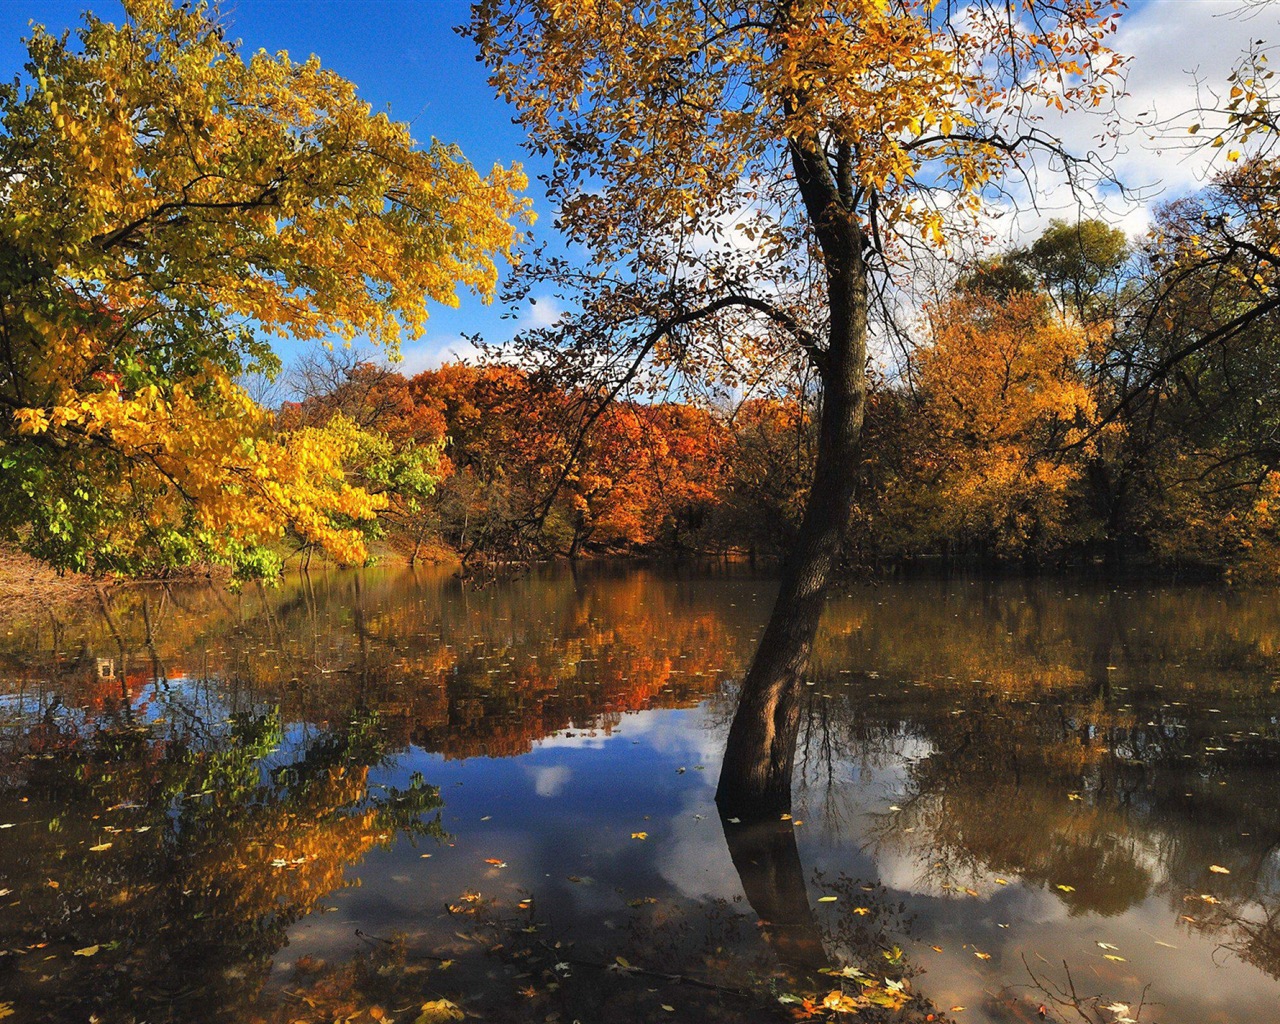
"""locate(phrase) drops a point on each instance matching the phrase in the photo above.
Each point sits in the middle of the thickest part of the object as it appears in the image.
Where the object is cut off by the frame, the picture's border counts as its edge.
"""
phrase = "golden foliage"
(170, 206)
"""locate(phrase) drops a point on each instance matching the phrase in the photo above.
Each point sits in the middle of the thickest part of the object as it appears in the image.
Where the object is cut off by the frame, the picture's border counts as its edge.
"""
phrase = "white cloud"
(550, 780)
(430, 353)
(543, 312)
(1180, 53)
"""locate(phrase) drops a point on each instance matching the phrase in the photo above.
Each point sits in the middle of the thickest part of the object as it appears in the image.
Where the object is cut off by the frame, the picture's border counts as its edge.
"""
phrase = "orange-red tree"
(740, 174)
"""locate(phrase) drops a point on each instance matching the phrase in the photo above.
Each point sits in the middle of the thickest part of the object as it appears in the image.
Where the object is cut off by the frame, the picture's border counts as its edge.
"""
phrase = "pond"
(382, 796)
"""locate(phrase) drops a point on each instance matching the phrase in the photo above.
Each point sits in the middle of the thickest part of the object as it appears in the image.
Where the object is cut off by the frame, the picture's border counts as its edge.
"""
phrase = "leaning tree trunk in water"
(755, 780)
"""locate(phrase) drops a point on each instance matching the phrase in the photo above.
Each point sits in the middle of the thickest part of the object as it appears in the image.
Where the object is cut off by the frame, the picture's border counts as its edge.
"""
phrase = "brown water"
(362, 794)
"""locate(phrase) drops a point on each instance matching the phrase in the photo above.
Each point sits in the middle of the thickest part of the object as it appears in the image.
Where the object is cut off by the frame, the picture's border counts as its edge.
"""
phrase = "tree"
(1003, 407)
(743, 176)
(169, 207)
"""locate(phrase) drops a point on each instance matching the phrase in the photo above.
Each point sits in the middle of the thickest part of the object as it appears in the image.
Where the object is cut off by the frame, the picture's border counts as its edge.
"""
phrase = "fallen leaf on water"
(439, 1011)
(1218, 869)
(51, 884)
(1166, 945)
(982, 956)
(861, 911)
(827, 899)
(495, 862)
(1117, 959)
(1002, 881)
(639, 835)
(955, 1009)
(735, 821)
(669, 1009)
(1107, 945)
(972, 892)
(487, 817)
(936, 949)
(100, 847)
(87, 951)
(1067, 888)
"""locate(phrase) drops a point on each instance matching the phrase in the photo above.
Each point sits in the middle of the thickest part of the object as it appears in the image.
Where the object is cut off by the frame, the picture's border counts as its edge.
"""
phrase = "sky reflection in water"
(1077, 757)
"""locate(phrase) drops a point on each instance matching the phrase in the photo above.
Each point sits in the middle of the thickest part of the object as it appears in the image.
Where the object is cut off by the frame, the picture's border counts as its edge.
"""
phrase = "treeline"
(524, 469)
(1036, 420)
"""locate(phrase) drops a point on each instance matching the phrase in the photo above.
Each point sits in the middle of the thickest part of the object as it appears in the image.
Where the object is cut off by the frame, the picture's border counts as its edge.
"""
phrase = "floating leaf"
(100, 847)
(439, 1011)
(1112, 956)
(1106, 945)
(827, 899)
(1218, 869)
(87, 951)
(861, 911)
(982, 956)
(1067, 888)
(639, 835)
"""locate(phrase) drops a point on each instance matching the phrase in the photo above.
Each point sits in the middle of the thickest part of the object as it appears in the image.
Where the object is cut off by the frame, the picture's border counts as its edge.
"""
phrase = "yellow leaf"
(86, 951)
(439, 1011)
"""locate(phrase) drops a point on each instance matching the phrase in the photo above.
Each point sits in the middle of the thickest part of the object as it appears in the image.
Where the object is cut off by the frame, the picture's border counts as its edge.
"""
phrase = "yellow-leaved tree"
(170, 206)
(745, 174)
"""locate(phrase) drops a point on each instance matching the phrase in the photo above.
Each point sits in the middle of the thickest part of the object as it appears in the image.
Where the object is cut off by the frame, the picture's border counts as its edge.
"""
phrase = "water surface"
(362, 794)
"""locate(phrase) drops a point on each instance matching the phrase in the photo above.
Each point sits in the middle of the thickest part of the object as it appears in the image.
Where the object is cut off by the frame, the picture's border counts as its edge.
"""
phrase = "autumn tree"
(1000, 429)
(170, 207)
(744, 176)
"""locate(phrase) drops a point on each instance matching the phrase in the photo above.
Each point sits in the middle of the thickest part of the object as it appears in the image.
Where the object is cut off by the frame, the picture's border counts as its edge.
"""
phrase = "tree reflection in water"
(160, 864)
(237, 791)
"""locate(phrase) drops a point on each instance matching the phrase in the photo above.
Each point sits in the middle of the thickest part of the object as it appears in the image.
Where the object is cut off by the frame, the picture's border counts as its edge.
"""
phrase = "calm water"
(361, 795)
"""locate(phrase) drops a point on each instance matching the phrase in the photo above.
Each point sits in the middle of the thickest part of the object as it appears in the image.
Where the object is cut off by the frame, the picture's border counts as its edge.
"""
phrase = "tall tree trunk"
(755, 779)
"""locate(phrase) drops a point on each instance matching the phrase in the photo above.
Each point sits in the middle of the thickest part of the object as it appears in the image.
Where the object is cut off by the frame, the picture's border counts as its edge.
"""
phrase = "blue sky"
(405, 57)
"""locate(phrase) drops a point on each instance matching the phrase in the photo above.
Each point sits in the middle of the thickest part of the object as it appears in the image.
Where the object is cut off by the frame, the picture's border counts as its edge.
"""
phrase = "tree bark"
(755, 779)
